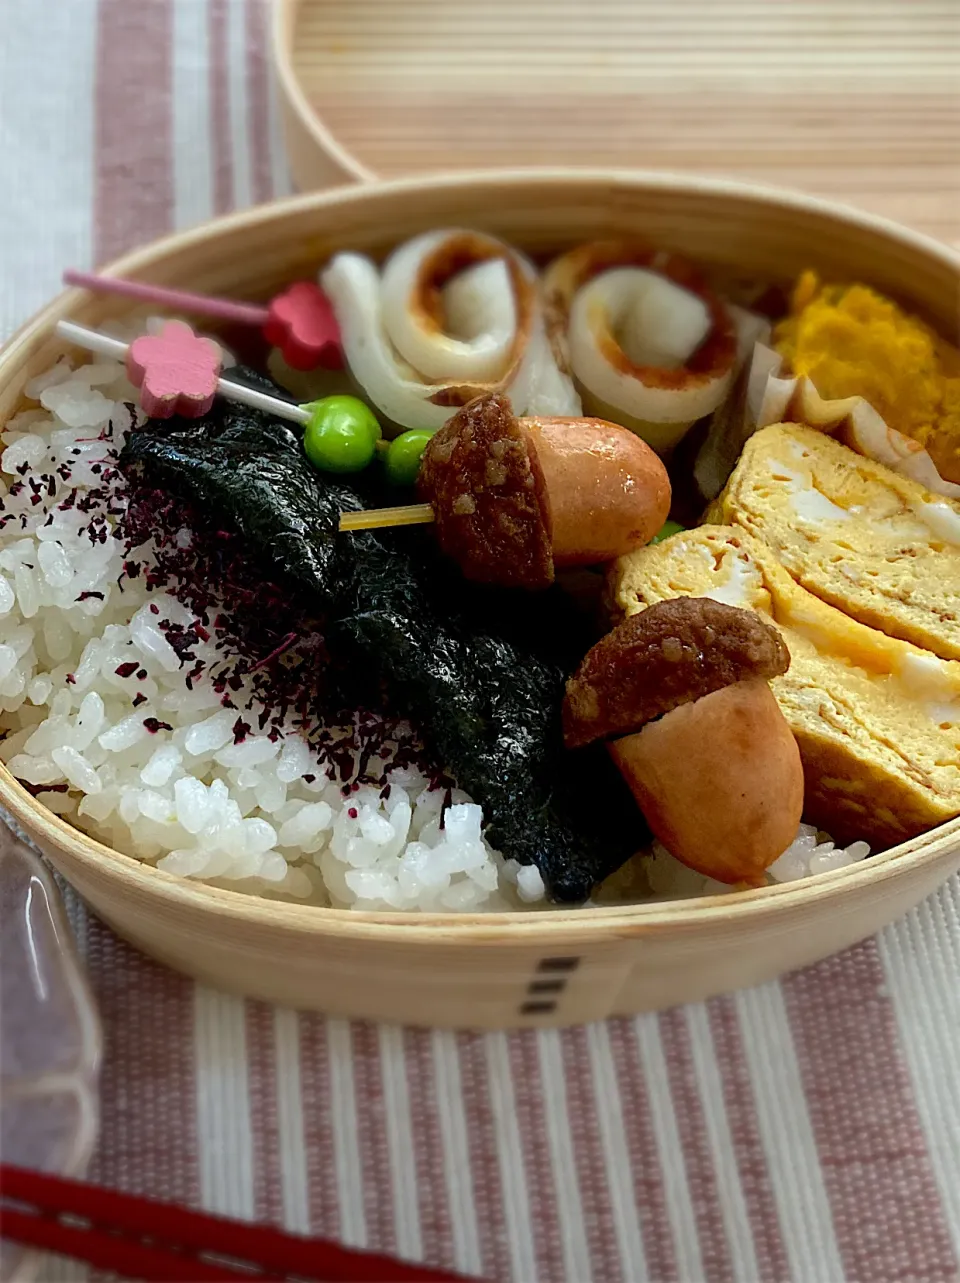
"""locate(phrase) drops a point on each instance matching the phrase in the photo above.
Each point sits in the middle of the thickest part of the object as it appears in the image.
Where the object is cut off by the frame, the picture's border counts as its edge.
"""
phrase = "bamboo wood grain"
(487, 971)
(854, 101)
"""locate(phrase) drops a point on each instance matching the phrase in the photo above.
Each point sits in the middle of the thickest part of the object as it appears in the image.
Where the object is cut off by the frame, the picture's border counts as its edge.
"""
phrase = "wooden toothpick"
(411, 514)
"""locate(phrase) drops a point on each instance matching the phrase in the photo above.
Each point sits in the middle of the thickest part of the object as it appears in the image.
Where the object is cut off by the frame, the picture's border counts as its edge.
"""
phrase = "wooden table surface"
(857, 100)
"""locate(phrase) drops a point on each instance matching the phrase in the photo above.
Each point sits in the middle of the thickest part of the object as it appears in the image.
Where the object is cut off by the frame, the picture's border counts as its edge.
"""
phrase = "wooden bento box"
(496, 971)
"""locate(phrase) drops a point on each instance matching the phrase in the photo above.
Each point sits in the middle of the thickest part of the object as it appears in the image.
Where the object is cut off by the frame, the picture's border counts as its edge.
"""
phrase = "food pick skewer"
(299, 321)
(181, 300)
(178, 372)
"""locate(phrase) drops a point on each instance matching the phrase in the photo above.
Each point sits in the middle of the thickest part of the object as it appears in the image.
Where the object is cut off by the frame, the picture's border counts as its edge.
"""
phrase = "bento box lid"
(857, 108)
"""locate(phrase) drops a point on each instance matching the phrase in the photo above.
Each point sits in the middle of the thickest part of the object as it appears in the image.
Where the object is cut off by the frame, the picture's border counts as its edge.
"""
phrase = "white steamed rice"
(188, 799)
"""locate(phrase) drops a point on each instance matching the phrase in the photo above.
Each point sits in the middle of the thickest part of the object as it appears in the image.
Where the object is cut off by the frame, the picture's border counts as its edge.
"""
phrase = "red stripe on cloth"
(432, 1196)
(691, 1125)
(148, 1114)
(134, 199)
(264, 1127)
(589, 1158)
(372, 1140)
(887, 1213)
(258, 90)
(221, 132)
(748, 1148)
(324, 1199)
(528, 1099)
(484, 1160)
(148, 1126)
(641, 1141)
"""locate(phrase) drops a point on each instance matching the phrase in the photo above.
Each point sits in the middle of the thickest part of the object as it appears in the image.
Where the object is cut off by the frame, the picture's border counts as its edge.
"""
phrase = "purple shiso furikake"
(270, 663)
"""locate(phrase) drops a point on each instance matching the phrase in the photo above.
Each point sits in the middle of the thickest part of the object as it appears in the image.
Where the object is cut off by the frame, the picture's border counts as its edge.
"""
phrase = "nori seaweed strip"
(480, 673)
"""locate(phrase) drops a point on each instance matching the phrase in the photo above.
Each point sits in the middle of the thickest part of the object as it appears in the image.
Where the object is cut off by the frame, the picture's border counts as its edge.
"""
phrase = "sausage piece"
(515, 498)
(719, 781)
(608, 492)
(680, 693)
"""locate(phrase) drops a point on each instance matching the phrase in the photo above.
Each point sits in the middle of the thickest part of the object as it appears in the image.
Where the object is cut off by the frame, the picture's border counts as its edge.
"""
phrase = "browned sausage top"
(489, 496)
(670, 654)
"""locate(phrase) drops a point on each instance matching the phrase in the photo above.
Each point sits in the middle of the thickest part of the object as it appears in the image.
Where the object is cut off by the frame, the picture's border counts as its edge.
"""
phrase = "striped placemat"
(805, 1131)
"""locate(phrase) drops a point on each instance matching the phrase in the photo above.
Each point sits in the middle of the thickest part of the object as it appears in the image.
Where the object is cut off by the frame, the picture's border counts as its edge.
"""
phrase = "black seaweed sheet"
(479, 672)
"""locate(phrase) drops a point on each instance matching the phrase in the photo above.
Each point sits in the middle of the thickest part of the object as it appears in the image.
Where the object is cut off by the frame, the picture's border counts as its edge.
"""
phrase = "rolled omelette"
(872, 542)
(877, 720)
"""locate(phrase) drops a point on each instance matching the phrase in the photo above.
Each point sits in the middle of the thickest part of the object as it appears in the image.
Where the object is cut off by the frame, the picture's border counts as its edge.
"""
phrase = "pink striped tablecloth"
(806, 1131)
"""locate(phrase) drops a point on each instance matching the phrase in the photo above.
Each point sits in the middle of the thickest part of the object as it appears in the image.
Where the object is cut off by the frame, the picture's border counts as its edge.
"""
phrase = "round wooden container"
(541, 968)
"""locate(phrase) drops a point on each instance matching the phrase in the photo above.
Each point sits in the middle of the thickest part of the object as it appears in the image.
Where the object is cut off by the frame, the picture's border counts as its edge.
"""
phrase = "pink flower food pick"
(176, 371)
(302, 325)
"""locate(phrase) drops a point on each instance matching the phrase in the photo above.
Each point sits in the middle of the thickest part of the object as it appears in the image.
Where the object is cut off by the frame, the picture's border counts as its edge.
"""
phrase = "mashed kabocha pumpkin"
(851, 341)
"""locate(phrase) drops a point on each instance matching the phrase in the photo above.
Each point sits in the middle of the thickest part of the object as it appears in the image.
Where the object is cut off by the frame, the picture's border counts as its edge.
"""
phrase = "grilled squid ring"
(452, 315)
(647, 343)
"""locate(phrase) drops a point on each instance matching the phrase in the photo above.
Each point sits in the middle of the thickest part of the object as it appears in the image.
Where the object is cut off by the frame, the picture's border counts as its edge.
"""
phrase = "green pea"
(342, 434)
(402, 459)
(666, 530)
